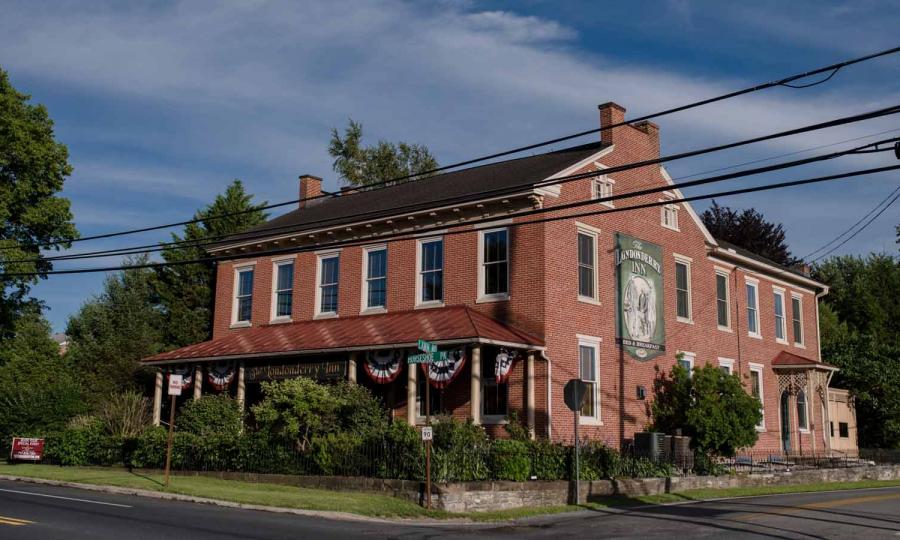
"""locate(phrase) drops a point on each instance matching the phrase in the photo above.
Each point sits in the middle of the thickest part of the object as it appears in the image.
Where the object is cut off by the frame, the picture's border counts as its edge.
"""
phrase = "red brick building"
(521, 305)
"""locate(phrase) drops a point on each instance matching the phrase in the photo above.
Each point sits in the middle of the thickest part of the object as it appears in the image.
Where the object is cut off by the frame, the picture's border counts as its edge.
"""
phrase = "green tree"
(114, 330)
(750, 230)
(362, 165)
(709, 405)
(39, 391)
(186, 291)
(33, 167)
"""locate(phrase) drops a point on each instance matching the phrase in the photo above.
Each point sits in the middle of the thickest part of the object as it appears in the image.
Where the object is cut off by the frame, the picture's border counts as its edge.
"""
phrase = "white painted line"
(64, 498)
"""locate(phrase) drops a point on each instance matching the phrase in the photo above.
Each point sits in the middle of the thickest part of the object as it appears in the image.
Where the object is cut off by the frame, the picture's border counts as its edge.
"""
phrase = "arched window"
(802, 420)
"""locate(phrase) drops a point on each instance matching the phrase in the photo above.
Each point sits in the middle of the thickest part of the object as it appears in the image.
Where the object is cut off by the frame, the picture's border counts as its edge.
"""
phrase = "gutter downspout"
(549, 394)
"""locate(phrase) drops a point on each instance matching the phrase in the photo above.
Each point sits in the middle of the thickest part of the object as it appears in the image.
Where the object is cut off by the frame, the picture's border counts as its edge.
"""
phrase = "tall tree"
(186, 291)
(750, 230)
(33, 167)
(114, 330)
(362, 165)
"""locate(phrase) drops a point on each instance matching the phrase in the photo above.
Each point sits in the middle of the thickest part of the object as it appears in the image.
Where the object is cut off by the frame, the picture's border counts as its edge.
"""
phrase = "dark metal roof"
(457, 186)
(759, 258)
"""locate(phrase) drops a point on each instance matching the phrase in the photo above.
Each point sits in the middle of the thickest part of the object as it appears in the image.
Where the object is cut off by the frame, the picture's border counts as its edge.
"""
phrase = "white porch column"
(241, 385)
(411, 370)
(475, 399)
(198, 382)
(351, 368)
(529, 397)
(157, 398)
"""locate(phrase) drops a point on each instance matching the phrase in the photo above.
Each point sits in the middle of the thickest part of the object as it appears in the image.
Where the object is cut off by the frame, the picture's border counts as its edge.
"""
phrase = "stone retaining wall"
(500, 495)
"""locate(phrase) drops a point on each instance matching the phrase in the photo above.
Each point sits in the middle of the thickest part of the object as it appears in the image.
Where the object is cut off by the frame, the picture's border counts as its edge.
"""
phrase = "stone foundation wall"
(500, 495)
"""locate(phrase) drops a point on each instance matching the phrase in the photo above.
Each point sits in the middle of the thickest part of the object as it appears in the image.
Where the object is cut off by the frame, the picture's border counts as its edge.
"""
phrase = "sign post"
(573, 395)
(431, 354)
(175, 384)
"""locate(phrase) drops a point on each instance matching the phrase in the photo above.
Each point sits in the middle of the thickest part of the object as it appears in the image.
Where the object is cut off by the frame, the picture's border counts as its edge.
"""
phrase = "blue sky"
(162, 103)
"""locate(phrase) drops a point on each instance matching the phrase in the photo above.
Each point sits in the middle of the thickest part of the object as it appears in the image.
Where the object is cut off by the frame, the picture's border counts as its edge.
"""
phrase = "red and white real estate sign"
(26, 449)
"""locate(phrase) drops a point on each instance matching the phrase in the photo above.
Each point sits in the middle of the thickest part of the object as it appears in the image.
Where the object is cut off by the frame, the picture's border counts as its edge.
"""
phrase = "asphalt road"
(32, 512)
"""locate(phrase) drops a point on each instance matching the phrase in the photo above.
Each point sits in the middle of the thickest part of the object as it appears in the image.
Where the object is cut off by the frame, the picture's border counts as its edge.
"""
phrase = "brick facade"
(543, 301)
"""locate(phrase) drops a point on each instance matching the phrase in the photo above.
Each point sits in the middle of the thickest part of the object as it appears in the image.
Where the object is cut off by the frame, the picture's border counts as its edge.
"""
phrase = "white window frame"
(594, 343)
(780, 293)
(672, 207)
(320, 258)
(727, 363)
(800, 428)
(802, 342)
(594, 233)
(752, 282)
(727, 275)
(273, 311)
(238, 268)
(495, 297)
(420, 242)
(365, 309)
(688, 357)
(760, 369)
(686, 261)
(601, 183)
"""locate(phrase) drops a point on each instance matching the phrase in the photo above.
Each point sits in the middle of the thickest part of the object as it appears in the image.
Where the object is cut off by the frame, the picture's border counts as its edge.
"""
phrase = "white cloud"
(519, 29)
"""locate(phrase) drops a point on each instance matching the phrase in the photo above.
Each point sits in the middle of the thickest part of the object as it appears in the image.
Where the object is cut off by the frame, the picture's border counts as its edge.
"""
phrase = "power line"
(657, 189)
(832, 69)
(861, 229)
(286, 229)
(411, 235)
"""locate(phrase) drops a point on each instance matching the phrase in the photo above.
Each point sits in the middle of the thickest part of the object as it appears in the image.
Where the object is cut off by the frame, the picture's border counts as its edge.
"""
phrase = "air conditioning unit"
(649, 445)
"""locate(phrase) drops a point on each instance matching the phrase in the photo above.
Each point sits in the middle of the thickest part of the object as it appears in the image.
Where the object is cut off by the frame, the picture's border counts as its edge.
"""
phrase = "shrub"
(550, 461)
(124, 414)
(461, 451)
(510, 460)
(403, 453)
(150, 449)
(211, 415)
(70, 447)
(341, 454)
(516, 430)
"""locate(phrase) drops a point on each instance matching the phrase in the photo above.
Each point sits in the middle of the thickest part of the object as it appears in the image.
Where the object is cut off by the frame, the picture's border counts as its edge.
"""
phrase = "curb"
(326, 514)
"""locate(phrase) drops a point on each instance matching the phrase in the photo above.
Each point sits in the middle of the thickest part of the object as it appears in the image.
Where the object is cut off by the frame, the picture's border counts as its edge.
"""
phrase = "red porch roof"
(790, 360)
(454, 324)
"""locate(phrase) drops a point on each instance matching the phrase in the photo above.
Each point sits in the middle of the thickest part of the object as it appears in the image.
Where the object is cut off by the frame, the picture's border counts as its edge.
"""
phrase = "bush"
(403, 453)
(70, 447)
(124, 414)
(341, 454)
(516, 430)
(461, 451)
(150, 449)
(510, 460)
(211, 415)
(550, 461)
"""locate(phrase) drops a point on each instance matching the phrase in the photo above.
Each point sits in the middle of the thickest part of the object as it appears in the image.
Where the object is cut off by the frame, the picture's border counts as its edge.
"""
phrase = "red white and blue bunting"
(187, 375)
(442, 372)
(220, 375)
(503, 365)
(384, 365)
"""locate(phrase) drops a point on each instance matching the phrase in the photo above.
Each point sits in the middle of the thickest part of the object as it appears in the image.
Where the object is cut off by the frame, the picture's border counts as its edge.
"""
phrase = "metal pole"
(577, 457)
(428, 442)
(169, 441)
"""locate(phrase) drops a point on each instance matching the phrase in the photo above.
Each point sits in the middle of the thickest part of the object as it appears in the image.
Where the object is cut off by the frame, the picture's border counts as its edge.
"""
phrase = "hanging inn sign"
(640, 313)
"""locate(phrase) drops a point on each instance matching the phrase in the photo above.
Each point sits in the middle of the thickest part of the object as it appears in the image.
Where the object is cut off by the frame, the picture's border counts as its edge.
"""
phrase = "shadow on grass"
(148, 478)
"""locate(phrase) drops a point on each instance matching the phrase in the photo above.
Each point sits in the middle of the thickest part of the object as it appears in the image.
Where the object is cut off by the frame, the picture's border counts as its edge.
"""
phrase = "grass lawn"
(370, 504)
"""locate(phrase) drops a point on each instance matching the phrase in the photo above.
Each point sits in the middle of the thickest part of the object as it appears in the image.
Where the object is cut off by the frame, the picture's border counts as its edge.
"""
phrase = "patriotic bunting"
(220, 375)
(383, 365)
(442, 372)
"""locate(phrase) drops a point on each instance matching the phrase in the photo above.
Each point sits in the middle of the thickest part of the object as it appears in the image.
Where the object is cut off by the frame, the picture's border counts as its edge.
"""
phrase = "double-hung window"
(670, 213)
(494, 264)
(431, 272)
(780, 327)
(603, 189)
(375, 290)
(589, 372)
(723, 309)
(797, 318)
(683, 289)
(753, 309)
(756, 388)
(243, 297)
(802, 411)
(329, 275)
(284, 289)
(686, 360)
(587, 265)
(494, 395)
(726, 365)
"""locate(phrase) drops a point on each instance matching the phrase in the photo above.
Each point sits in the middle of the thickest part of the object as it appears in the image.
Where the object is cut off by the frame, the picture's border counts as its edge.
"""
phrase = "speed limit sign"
(427, 433)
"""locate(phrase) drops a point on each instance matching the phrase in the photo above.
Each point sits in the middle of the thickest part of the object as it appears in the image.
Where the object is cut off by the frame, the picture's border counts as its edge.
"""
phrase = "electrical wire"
(833, 68)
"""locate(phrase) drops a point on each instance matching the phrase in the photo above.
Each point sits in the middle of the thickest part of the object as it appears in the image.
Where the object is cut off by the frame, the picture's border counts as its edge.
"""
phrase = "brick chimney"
(611, 113)
(652, 139)
(310, 186)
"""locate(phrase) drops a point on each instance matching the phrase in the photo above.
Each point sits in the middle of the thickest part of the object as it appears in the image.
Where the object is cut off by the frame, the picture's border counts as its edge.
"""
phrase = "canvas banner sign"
(640, 312)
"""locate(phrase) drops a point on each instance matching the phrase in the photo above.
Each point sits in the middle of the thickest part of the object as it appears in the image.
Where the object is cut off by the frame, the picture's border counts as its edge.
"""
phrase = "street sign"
(175, 384)
(427, 346)
(427, 433)
(427, 358)
(574, 393)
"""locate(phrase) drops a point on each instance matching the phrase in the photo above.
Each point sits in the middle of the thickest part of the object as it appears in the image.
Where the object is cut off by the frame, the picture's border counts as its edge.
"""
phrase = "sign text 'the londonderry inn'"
(640, 313)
